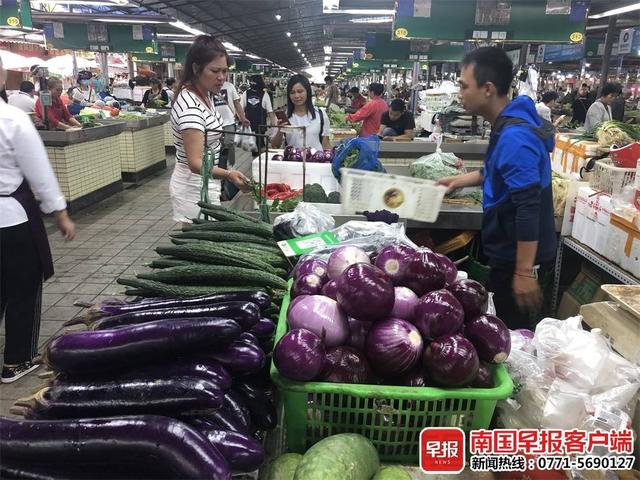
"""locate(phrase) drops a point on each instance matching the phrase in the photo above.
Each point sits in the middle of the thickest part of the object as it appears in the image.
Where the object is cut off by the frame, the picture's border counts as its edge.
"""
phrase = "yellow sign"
(401, 32)
(13, 21)
(134, 59)
(368, 56)
(576, 37)
(149, 49)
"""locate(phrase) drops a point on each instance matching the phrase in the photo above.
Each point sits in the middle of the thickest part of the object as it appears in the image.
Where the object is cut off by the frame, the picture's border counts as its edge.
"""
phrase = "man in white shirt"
(25, 257)
(600, 110)
(25, 98)
(547, 102)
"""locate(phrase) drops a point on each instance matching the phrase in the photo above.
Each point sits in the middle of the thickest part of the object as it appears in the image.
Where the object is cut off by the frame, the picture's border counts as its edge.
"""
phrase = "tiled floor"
(115, 237)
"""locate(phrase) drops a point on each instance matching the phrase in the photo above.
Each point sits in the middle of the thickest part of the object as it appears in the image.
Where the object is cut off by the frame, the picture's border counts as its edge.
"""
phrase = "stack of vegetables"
(612, 132)
(164, 388)
(293, 154)
(397, 317)
(234, 252)
(338, 118)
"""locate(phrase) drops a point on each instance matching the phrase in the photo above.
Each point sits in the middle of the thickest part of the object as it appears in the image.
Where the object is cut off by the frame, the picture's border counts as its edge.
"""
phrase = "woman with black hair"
(193, 115)
(302, 113)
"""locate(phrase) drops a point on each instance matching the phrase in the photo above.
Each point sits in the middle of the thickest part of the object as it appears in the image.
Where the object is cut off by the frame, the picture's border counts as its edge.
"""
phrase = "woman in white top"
(25, 257)
(205, 71)
(600, 110)
(302, 113)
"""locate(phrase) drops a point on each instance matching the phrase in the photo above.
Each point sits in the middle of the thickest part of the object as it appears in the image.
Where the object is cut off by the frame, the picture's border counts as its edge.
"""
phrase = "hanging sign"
(626, 40)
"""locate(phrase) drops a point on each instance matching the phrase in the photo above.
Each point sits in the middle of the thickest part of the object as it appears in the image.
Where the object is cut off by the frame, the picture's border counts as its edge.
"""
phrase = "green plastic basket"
(391, 417)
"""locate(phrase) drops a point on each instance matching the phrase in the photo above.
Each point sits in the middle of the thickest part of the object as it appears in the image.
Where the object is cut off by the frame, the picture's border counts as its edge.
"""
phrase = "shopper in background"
(257, 107)
(518, 230)
(397, 124)
(24, 99)
(193, 113)
(332, 92)
(600, 110)
(156, 96)
(580, 105)
(617, 107)
(357, 99)
(58, 116)
(25, 256)
(170, 87)
(302, 113)
(546, 103)
(371, 112)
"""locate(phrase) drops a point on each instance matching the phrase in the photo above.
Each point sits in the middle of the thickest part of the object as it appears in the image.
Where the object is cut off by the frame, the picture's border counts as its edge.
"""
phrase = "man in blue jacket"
(518, 228)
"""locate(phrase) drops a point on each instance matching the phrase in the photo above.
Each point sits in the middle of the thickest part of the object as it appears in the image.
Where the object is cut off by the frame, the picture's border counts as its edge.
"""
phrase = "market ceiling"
(292, 33)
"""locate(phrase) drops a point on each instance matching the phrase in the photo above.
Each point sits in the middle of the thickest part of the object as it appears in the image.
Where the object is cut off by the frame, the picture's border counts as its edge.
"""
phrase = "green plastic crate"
(391, 417)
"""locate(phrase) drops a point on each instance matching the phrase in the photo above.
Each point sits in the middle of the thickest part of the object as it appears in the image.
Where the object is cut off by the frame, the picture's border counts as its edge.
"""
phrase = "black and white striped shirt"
(189, 111)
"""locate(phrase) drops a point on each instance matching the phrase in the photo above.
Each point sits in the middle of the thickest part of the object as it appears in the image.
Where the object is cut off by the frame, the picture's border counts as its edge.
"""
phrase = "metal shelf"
(600, 261)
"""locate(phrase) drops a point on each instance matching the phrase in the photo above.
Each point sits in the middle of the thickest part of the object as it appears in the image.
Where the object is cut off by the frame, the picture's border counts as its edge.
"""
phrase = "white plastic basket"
(611, 179)
(412, 198)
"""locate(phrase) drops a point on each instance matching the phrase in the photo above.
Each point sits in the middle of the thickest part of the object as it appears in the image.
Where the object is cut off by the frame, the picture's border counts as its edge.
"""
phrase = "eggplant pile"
(146, 371)
(398, 317)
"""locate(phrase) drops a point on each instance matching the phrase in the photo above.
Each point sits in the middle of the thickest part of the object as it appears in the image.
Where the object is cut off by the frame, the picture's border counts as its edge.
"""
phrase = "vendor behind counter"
(58, 116)
(397, 124)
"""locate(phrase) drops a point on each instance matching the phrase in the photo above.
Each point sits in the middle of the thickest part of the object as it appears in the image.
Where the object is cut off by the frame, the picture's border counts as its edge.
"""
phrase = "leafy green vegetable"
(338, 118)
(314, 193)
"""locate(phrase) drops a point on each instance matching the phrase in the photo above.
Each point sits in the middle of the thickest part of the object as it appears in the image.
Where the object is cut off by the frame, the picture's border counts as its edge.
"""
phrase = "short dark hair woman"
(302, 113)
(156, 96)
(205, 70)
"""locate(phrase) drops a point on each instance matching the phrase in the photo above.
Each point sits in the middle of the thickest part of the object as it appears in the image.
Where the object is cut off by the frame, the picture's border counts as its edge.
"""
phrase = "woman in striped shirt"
(205, 71)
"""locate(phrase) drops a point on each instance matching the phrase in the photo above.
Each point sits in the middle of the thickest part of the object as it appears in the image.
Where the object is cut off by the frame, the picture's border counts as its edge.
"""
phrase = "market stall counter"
(142, 147)
(404, 153)
(85, 163)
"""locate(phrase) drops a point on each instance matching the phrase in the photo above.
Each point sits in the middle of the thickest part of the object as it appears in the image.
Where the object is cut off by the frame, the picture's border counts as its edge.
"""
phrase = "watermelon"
(392, 473)
(346, 456)
(284, 467)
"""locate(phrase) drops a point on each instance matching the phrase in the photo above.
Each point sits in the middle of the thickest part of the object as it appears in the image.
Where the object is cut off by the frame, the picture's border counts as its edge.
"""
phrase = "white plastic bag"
(245, 142)
(306, 219)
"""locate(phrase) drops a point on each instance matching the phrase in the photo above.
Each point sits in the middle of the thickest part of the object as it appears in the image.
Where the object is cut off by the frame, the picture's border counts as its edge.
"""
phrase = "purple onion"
(288, 151)
(448, 267)
(365, 292)
(484, 379)
(490, 336)
(438, 313)
(393, 260)
(405, 303)
(330, 289)
(299, 355)
(328, 155)
(472, 296)
(393, 346)
(311, 265)
(277, 158)
(358, 333)
(322, 316)
(451, 361)
(423, 272)
(307, 284)
(415, 378)
(346, 365)
(343, 257)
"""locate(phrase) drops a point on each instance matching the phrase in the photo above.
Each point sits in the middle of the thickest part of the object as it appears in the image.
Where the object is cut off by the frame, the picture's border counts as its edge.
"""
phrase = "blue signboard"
(563, 52)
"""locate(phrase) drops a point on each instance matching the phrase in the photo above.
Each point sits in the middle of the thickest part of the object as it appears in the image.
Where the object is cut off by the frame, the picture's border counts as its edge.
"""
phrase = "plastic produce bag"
(437, 165)
(306, 219)
(360, 153)
(245, 142)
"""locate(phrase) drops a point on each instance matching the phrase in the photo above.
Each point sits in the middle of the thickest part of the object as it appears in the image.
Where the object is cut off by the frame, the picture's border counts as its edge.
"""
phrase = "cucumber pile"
(178, 383)
(231, 252)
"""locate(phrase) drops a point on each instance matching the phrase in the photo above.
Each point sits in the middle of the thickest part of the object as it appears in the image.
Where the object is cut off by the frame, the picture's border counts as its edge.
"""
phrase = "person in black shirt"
(156, 96)
(397, 123)
(581, 105)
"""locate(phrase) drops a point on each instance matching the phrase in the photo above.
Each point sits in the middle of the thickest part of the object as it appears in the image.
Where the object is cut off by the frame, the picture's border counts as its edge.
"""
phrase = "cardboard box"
(584, 289)
(619, 326)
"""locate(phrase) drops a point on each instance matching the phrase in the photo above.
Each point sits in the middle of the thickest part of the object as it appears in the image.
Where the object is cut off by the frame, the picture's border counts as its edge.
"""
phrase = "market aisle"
(115, 237)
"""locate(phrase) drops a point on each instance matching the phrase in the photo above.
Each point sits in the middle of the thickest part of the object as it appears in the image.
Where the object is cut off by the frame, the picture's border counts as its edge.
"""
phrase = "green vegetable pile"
(338, 118)
(612, 132)
(434, 167)
(351, 158)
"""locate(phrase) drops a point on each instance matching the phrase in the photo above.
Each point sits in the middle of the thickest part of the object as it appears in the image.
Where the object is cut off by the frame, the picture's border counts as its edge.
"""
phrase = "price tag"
(301, 245)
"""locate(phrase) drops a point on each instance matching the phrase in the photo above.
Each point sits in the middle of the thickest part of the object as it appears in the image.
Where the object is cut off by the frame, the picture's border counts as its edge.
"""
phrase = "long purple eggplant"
(246, 314)
(113, 349)
(263, 410)
(236, 407)
(13, 470)
(240, 357)
(243, 452)
(198, 366)
(157, 443)
(127, 397)
(220, 419)
(264, 329)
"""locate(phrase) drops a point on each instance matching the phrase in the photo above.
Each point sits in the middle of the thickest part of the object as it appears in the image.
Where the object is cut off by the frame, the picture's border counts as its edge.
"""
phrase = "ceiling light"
(278, 17)
(372, 20)
(123, 21)
(187, 28)
(587, 65)
(177, 35)
(616, 11)
(288, 34)
(364, 11)
(187, 42)
(295, 44)
(250, 55)
(342, 54)
(328, 49)
(299, 51)
(231, 47)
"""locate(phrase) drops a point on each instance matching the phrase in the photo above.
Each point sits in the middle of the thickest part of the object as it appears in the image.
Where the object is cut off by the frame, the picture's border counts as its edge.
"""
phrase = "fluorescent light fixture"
(125, 21)
(187, 28)
(251, 55)
(288, 34)
(295, 44)
(328, 49)
(372, 20)
(186, 42)
(231, 47)
(278, 17)
(587, 65)
(342, 54)
(176, 35)
(616, 11)
(364, 11)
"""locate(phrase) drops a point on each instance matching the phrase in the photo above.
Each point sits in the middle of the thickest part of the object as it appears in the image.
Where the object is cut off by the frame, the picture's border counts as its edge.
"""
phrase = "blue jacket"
(517, 191)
